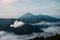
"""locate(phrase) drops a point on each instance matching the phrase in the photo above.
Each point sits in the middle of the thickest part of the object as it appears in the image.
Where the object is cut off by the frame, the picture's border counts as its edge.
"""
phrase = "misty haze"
(29, 19)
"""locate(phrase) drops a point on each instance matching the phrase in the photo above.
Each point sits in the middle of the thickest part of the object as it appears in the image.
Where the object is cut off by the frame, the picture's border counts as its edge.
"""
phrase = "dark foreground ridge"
(55, 37)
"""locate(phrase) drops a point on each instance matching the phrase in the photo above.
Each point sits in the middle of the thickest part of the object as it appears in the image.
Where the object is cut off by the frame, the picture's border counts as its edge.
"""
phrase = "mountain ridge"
(30, 17)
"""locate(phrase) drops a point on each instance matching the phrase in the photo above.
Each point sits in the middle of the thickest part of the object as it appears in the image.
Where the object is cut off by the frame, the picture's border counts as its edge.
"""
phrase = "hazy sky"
(16, 8)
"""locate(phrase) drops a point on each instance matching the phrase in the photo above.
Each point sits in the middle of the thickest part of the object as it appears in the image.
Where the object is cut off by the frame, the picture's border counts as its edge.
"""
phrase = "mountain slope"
(29, 17)
(26, 16)
(27, 29)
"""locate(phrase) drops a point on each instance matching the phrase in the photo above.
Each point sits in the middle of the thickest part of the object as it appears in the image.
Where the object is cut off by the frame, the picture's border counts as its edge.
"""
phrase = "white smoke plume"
(17, 24)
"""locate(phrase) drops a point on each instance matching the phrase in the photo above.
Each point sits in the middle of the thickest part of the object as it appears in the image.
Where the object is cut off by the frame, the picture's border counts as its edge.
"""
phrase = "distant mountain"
(29, 17)
(26, 16)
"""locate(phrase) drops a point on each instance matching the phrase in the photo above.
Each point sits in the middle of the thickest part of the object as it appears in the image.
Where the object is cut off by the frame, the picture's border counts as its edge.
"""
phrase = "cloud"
(6, 1)
(53, 29)
(50, 9)
(17, 8)
(17, 11)
(26, 0)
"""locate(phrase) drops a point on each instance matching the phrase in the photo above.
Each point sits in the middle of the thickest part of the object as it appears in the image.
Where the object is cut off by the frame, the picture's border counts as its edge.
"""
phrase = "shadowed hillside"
(55, 37)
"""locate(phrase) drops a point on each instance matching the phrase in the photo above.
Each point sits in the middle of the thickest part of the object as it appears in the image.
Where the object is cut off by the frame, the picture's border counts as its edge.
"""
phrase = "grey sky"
(16, 8)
